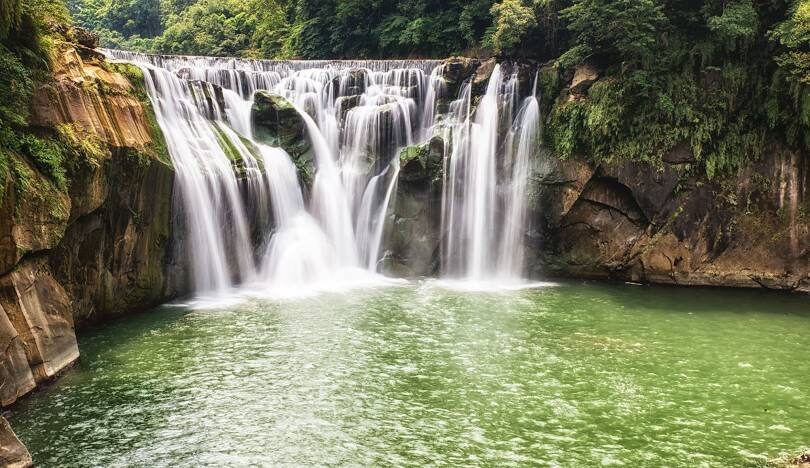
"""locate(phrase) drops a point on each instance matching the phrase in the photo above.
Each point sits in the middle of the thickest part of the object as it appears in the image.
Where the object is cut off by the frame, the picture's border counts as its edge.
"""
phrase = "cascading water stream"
(486, 178)
(247, 216)
(206, 182)
(523, 141)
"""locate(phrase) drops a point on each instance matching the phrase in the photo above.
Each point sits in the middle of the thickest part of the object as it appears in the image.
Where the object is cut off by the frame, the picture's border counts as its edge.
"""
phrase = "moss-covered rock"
(414, 240)
(86, 216)
(276, 122)
(33, 213)
(422, 164)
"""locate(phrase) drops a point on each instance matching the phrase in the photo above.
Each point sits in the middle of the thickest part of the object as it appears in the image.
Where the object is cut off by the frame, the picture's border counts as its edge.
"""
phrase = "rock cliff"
(100, 243)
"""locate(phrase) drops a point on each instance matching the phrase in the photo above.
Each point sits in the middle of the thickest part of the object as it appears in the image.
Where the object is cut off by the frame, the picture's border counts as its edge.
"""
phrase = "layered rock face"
(634, 222)
(99, 245)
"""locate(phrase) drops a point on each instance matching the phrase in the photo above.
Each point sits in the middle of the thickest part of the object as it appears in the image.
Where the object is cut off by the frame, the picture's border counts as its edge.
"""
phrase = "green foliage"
(793, 35)
(25, 30)
(676, 72)
(739, 21)
(10, 13)
(85, 151)
(48, 156)
(617, 30)
(289, 28)
(15, 88)
(512, 21)
(214, 27)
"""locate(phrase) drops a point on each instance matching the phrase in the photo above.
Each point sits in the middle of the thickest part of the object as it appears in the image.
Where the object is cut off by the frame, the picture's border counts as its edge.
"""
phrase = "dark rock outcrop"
(276, 122)
(415, 237)
(84, 37)
(635, 222)
(351, 82)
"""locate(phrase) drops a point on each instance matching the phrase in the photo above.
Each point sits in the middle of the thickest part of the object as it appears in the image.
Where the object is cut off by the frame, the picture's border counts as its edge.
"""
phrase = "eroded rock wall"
(636, 222)
(13, 453)
(99, 245)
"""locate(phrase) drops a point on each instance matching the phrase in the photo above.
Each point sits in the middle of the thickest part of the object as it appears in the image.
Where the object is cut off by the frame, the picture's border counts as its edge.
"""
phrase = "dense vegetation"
(36, 162)
(25, 51)
(725, 78)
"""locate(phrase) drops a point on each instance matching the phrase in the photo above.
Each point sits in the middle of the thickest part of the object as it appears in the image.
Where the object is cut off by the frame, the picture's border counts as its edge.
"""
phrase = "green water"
(573, 375)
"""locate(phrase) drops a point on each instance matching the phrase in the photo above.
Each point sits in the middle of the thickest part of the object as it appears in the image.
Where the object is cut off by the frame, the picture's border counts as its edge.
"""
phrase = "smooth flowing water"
(255, 225)
(357, 115)
(570, 375)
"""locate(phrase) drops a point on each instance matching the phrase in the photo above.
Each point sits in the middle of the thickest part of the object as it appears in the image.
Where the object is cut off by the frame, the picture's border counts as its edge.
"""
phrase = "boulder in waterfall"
(455, 71)
(482, 75)
(458, 69)
(351, 82)
(13, 453)
(346, 103)
(422, 164)
(413, 245)
(276, 122)
(388, 120)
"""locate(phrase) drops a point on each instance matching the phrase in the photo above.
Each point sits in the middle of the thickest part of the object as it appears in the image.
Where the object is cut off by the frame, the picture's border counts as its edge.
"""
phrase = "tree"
(211, 27)
(133, 17)
(793, 35)
(512, 22)
(615, 30)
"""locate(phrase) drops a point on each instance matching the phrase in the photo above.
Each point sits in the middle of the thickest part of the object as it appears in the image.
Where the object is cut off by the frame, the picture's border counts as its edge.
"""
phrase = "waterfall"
(486, 177)
(214, 214)
(247, 218)
(522, 143)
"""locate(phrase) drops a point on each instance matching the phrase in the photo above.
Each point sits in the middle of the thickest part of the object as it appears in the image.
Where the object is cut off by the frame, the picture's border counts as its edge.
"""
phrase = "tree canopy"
(722, 77)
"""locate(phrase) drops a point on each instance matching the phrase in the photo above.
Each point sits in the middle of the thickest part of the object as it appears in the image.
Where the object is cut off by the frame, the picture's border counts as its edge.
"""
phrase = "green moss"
(33, 189)
(410, 153)
(49, 157)
(159, 149)
(642, 116)
(86, 150)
